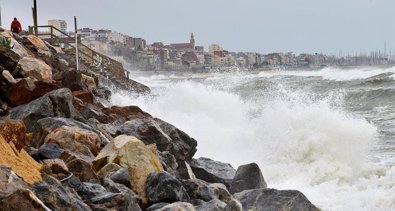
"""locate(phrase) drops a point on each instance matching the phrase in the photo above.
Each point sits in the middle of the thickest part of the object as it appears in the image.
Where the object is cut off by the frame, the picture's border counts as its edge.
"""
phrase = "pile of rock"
(64, 147)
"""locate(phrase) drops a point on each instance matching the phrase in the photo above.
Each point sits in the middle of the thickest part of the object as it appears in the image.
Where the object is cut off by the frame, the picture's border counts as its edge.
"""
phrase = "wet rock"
(128, 151)
(89, 82)
(48, 151)
(276, 200)
(108, 170)
(213, 205)
(84, 95)
(72, 80)
(22, 200)
(7, 75)
(213, 171)
(58, 197)
(233, 205)
(178, 206)
(76, 140)
(79, 165)
(38, 69)
(55, 103)
(8, 59)
(20, 162)
(10, 182)
(247, 177)
(162, 187)
(121, 176)
(184, 147)
(126, 113)
(25, 90)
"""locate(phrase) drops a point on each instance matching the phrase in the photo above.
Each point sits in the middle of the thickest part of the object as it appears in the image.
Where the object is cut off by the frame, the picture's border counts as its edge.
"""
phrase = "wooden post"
(76, 43)
(35, 17)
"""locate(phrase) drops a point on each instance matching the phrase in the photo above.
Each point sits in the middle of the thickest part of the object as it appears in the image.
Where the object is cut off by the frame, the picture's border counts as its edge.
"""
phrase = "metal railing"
(97, 60)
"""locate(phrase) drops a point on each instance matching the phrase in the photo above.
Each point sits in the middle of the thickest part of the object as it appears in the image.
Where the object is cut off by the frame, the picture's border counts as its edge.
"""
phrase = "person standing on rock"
(16, 26)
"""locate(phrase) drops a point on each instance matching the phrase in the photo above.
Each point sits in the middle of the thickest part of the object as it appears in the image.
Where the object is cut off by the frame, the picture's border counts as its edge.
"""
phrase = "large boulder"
(165, 136)
(75, 139)
(55, 103)
(20, 162)
(38, 69)
(212, 171)
(163, 187)
(8, 59)
(26, 90)
(274, 200)
(23, 200)
(126, 113)
(247, 177)
(213, 205)
(130, 152)
(58, 197)
(36, 44)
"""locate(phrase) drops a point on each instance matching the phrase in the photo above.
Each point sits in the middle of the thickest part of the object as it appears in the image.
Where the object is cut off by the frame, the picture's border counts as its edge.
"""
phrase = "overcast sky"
(264, 26)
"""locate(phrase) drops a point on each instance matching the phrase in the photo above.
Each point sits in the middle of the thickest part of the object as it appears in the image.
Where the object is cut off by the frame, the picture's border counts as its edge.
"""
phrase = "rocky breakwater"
(64, 147)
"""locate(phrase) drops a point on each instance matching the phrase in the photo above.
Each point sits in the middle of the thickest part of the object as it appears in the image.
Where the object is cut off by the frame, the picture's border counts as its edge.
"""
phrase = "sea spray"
(301, 140)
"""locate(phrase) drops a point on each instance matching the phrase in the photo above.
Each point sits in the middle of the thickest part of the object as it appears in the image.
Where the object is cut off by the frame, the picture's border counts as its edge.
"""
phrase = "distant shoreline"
(320, 68)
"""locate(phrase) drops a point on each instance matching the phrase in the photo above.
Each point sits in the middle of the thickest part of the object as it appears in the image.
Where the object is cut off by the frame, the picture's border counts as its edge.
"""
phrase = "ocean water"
(329, 133)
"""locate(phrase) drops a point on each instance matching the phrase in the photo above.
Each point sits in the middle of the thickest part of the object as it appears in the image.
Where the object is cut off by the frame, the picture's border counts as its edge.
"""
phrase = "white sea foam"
(334, 74)
(299, 142)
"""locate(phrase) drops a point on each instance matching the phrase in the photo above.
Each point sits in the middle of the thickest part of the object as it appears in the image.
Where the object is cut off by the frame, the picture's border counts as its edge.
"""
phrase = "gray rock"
(233, 205)
(89, 190)
(213, 171)
(121, 176)
(8, 59)
(58, 197)
(10, 182)
(132, 199)
(157, 206)
(247, 177)
(199, 189)
(48, 151)
(220, 192)
(274, 200)
(168, 162)
(213, 205)
(22, 200)
(162, 187)
(178, 206)
(55, 103)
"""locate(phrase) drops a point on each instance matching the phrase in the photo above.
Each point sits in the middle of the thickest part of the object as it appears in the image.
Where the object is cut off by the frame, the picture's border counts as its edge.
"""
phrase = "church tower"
(192, 42)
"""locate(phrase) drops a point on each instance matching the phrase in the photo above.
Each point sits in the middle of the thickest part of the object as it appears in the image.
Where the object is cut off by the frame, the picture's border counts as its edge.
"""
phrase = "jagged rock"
(213, 171)
(163, 187)
(213, 205)
(10, 182)
(121, 176)
(178, 206)
(132, 199)
(38, 69)
(20, 162)
(19, 49)
(61, 64)
(23, 200)
(89, 190)
(126, 113)
(79, 165)
(276, 200)
(55, 103)
(108, 170)
(14, 131)
(58, 197)
(7, 75)
(184, 171)
(8, 59)
(84, 95)
(157, 206)
(47, 125)
(109, 201)
(128, 151)
(55, 166)
(75, 139)
(233, 205)
(199, 189)
(184, 147)
(247, 177)
(37, 45)
(25, 90)
(90, 111)
(169, 162)
(72, 80)
(48, 151)
(89, 82)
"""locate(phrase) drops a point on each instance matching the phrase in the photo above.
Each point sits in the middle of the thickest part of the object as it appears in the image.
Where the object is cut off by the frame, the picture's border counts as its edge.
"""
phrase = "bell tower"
(192, 41)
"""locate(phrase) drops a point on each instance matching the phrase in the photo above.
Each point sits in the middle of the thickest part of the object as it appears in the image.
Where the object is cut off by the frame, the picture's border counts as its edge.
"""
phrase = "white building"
(214, 47)
(116, 37)
(59, 24)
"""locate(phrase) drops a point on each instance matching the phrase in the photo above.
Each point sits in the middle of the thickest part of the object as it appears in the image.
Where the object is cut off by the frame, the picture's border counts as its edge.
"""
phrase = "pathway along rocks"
(64, 147)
